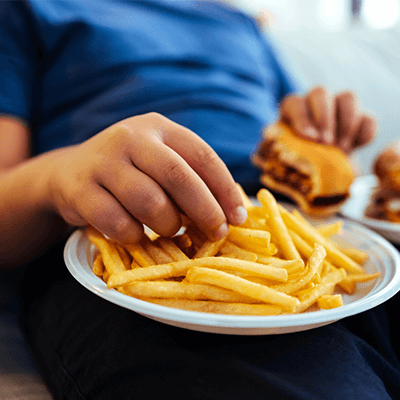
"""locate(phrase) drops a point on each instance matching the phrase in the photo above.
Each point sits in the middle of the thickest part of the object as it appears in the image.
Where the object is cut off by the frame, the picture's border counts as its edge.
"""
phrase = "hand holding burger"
(333, 120)
(305, 155)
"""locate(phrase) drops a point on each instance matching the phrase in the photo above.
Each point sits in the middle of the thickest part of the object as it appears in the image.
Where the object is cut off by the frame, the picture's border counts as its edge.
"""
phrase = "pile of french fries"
(275, 263)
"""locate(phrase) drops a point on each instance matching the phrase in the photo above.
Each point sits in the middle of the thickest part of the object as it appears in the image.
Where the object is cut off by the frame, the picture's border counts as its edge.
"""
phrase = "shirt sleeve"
(17, 60)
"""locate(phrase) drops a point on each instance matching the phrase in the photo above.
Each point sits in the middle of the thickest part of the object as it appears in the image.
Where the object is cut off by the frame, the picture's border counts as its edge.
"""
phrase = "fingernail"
(222, 231)
(240, 215)
(311, 133)
(328, 137)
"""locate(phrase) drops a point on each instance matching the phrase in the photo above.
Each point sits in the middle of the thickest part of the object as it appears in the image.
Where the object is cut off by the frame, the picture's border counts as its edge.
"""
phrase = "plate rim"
(238, 321)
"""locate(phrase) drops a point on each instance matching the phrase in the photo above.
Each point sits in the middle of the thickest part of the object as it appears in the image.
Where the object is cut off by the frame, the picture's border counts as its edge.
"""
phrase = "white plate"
(79, 254)
(360, 194)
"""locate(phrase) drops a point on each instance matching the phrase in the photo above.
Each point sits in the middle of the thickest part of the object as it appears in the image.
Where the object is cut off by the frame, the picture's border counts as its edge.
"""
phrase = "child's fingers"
(209, 169)
(143, 198)
(322, 109)
(103, 211)
(212, 171)
(295, 112)
(183, 185)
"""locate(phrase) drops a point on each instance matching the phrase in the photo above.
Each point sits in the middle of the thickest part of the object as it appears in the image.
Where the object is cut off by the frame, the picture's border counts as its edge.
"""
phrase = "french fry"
(98, 266)
(240, 285)
(314, 266)
(255, 279)
(178, 268)
(155, 252)
(247, 267)
(361, 277)
(229, 249)
(125, 256)
(259, 214)
(184, 290)
(244, 266)
(290, 265)
(295, 276)
(106, 276)
(257, 237)
(323, 288)
(266, 251)
(254, 223)
(152, 272)
(295, 268)
(326, 230)
(140, 255)
(151, 234)
(305, 291)
(334, 228)
(134, 264)
(184, 243)
(336, 276)
(330, 230)
(169, 246)
(209, 248)
(278, 228)
(311, 235)
(306, 250)
(273, 260)
(109, 253)
(329, 301)
(253, 240)
(218, 307)
(348, 286)
(196, 236)
(357, 255)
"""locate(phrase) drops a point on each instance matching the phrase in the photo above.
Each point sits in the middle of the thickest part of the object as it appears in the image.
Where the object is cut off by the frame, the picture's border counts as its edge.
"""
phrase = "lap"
(90, 348)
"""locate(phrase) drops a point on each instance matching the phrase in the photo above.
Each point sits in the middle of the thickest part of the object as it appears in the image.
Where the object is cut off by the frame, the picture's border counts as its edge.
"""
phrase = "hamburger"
(315, 176)
(385, 201)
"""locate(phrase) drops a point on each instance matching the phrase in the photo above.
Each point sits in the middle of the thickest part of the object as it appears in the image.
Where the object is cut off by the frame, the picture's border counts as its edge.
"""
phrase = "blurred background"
(328, 15)
(343, 45)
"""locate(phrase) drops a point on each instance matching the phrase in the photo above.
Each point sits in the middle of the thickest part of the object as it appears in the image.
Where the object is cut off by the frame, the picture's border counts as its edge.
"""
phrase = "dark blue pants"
(88, 348)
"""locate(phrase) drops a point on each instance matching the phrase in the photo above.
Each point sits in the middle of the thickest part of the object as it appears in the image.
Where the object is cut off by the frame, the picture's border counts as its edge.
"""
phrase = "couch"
(365, 61)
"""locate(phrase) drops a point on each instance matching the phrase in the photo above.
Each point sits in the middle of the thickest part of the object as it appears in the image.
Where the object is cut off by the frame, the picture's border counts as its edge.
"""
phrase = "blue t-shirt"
(71, 68)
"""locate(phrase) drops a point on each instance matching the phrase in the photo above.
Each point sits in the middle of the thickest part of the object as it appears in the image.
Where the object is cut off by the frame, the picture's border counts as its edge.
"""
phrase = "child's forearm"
(28, 225)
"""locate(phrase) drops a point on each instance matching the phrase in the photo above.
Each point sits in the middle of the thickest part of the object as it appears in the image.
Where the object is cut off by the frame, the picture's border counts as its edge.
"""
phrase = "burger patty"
(287, 174)
(328, 200)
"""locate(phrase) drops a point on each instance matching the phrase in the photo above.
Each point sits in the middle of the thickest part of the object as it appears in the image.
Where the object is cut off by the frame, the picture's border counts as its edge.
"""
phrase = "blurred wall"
(321, 43)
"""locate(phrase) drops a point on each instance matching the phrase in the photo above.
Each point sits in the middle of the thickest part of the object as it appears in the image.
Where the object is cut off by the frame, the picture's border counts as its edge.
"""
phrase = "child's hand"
(144, 170)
